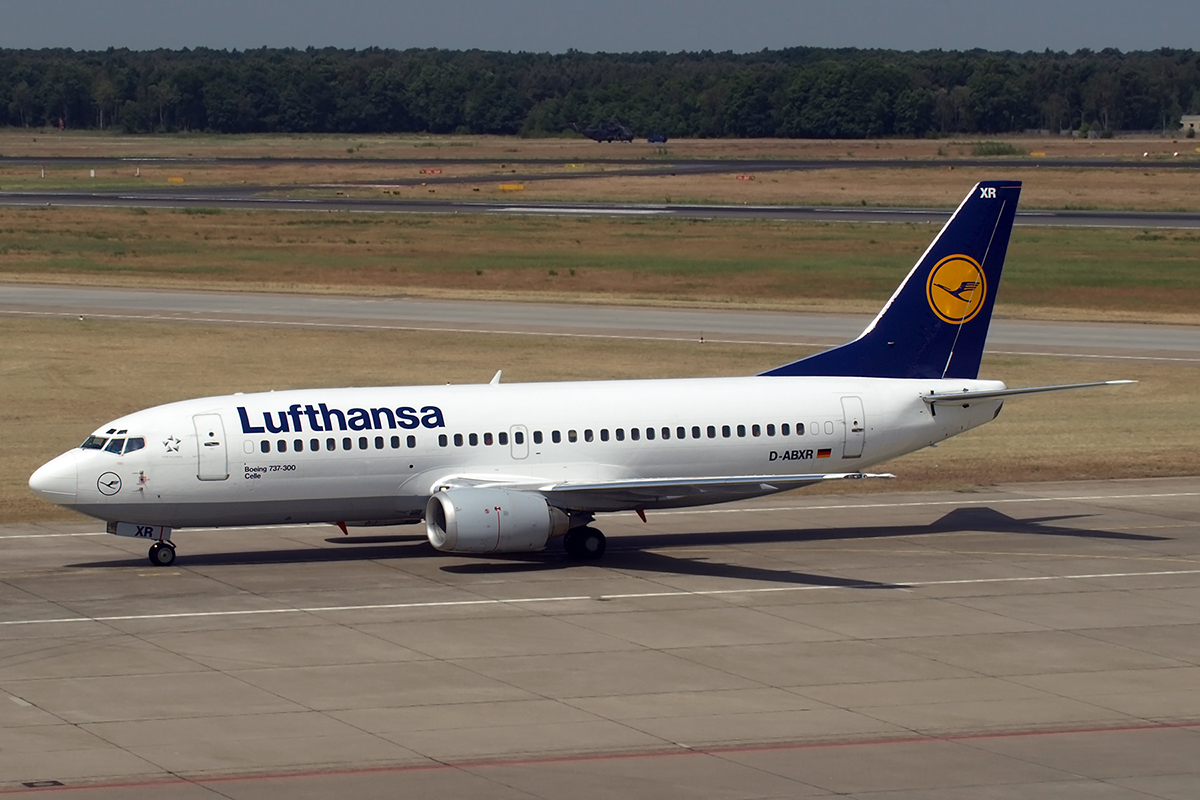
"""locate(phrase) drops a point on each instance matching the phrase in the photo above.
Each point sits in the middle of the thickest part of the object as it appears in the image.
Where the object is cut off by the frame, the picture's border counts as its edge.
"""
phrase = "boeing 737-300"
(503, 468)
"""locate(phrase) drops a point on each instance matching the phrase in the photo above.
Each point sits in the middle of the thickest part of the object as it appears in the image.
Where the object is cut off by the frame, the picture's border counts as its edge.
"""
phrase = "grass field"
(60, 379)
(1051, 273)
(35, 142)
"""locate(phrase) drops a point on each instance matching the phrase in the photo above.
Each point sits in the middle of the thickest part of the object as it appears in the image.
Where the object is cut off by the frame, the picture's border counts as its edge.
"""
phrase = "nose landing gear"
(162, 554)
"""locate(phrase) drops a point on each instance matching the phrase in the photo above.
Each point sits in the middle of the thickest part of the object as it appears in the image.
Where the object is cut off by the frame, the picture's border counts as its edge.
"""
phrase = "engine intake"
(491, 521)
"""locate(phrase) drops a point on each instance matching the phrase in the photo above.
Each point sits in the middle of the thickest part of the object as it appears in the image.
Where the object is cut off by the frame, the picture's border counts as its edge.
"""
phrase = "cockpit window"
(94, 443)
(115, 446)
(134, 443)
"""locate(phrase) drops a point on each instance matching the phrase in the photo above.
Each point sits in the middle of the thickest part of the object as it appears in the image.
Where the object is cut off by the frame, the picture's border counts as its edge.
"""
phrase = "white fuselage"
(374, 455)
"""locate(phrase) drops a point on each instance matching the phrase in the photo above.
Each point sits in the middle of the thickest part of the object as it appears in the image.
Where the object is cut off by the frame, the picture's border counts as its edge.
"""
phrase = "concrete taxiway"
(1029, 641)
(1167, 343)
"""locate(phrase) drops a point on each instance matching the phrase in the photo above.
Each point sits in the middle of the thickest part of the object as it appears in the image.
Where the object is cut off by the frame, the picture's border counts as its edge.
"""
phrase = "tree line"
(796, 93)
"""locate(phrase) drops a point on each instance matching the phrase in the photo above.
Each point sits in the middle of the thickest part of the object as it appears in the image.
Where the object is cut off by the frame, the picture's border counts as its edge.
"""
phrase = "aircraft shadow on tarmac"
(639, 552)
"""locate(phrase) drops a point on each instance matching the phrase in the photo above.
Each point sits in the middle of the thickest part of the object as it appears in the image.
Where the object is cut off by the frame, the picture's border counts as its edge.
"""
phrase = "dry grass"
(60, 379)
(1051, 273)
(34, 143)
(1149, 189)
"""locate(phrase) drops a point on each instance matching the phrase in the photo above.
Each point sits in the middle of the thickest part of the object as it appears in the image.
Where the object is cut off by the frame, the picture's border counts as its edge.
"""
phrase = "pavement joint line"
(838, 507)
(595, 598)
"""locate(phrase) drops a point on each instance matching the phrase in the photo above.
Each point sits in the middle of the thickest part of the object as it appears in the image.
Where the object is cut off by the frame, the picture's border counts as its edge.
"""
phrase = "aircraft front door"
(520, 441)
(856, 427)
(213, 464)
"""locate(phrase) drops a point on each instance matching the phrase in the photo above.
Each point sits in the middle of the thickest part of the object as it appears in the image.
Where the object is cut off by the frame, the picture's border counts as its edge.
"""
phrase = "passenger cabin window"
(395, 442)
(442, 440)
(785, 430)
(518, 437)
(572, 436)
(649, 434)
(503, 437)
(314, 445)
(741, 429)
(770, 430)
(264, 446)
(695, 431)
(281, 446)
(799, 428)
(488, 440)
(115, 446)
(587, 435)
(635, 434)
(555, 437)
(473, 439)
(362, 443)
(347, 444)
(604, 434)
(537, 437)
(412, 441)
(755, 430)
(712, 432)
(331, 444)
(298, 445)
(725, 431)
(666, 433)
(136, 443)
(620, 434)
(458, 440)
(681, 433)
(378, 442)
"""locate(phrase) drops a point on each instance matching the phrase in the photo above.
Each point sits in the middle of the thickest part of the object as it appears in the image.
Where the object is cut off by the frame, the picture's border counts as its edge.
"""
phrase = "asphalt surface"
(278, 199)
(1030, 641)
(1169, 343)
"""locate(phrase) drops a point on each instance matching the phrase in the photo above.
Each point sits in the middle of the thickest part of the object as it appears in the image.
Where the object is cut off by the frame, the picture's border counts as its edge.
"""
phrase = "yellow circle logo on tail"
(956, 289)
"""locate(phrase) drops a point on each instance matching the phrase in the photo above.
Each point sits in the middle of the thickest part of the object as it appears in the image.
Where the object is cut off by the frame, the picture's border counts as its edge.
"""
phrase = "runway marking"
(742, 510)
(579, 598)
(921, 504)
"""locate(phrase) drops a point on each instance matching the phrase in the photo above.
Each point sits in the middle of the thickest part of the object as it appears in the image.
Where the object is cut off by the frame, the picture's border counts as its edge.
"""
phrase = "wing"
(645, 493)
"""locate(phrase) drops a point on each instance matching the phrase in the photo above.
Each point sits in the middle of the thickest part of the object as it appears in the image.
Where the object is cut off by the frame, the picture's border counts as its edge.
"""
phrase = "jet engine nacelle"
(491, 521)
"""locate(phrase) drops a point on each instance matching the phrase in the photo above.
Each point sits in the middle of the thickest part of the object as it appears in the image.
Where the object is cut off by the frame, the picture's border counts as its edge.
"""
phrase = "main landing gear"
(162, 554)
(585, 543)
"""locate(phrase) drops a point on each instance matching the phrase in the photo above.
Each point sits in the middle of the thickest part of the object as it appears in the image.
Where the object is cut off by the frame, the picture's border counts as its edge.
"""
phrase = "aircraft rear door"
(856, 427)
(213, 464)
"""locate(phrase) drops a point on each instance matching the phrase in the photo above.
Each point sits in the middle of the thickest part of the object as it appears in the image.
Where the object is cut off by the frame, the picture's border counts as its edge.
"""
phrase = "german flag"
(824, 452)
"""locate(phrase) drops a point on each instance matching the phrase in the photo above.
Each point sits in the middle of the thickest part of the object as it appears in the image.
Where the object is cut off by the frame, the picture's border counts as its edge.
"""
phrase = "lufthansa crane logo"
(109, 483)
(956, 289)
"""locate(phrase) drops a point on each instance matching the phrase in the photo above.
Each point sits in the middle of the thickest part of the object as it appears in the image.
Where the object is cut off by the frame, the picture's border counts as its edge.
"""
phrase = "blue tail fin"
(935, 324)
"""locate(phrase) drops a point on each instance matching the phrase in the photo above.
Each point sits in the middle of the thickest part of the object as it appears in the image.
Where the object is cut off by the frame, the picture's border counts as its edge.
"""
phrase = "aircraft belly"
(262, 512)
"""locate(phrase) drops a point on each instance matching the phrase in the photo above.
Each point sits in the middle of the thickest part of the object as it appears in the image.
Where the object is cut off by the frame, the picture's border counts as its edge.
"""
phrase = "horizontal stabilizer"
(958, 397)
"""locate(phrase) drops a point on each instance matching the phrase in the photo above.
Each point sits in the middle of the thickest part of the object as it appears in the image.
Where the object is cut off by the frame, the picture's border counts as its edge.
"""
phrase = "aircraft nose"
(57, 480)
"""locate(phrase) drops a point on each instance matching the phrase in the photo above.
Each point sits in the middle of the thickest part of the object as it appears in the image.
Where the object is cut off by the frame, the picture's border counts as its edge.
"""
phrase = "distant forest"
(795, 93)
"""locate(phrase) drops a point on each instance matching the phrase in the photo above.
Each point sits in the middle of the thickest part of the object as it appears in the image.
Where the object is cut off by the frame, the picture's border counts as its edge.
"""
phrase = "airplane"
(507, 468)
(607, 132)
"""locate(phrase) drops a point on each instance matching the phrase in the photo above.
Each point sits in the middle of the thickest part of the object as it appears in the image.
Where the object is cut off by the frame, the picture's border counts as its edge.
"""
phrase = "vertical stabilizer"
(936, 323)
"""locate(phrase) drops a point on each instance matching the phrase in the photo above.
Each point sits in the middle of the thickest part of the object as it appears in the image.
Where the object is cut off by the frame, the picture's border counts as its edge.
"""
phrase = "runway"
(282, 199)
(1167, 343)
(1032, 641)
